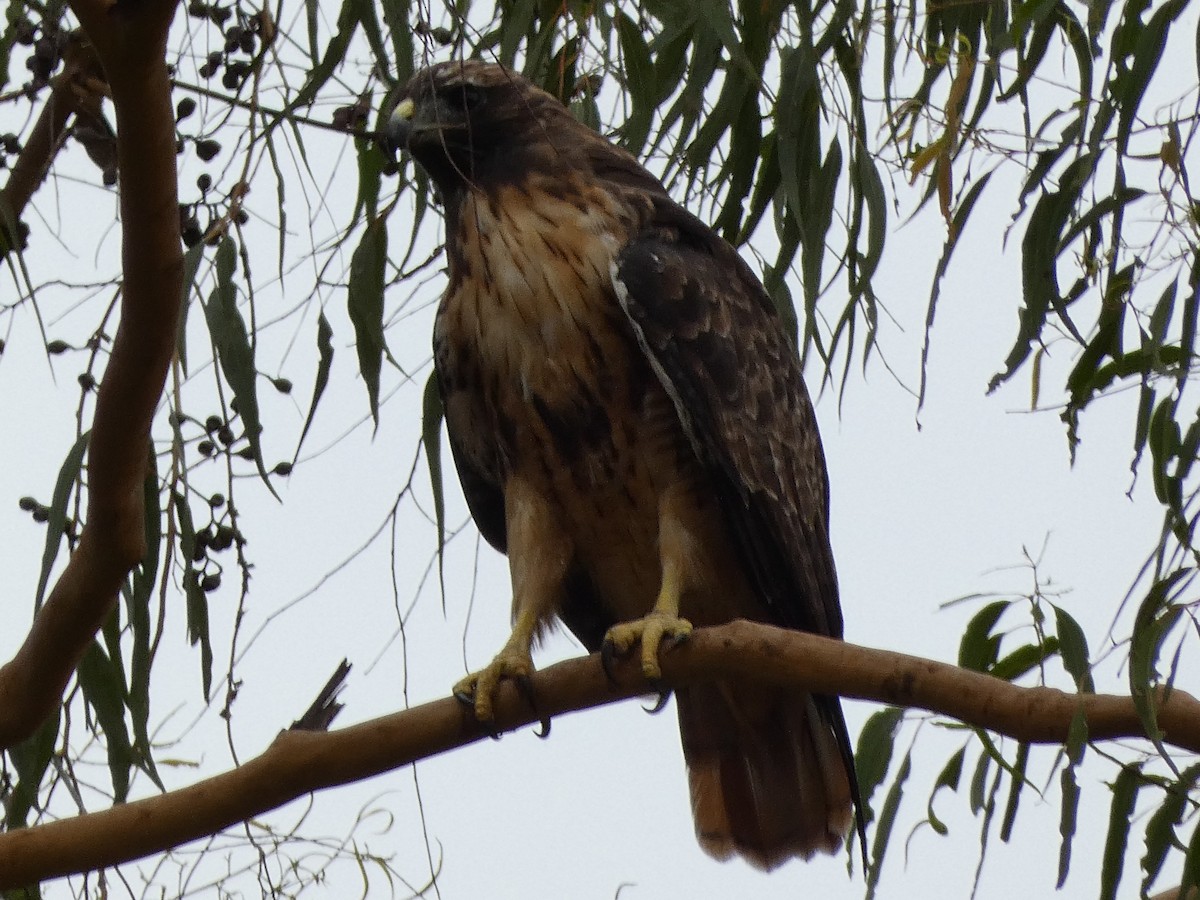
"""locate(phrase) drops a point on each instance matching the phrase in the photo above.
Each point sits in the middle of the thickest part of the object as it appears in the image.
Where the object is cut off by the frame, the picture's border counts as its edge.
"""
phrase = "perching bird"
(629, 423)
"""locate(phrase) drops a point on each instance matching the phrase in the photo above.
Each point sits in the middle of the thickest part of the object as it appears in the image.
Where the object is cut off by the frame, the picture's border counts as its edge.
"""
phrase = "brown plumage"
(629, 423)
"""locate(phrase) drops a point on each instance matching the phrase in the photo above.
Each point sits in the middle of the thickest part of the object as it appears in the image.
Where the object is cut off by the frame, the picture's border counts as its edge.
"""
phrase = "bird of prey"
(629, 424)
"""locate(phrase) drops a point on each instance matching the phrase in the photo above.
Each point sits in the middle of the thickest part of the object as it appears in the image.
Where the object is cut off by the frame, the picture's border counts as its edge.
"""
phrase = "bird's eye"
(465, 97)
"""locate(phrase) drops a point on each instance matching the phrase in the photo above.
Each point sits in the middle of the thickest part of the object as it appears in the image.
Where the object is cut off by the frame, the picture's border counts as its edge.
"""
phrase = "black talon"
(466, 699)
(664, 695)
(525, 689)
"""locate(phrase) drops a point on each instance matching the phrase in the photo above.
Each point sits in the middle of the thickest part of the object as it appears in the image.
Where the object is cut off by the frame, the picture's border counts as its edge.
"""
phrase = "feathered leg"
(540, 553)
(677, 549)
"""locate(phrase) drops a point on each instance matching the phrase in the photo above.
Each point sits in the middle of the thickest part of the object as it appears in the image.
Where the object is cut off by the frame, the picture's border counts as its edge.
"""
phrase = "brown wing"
(717, 345)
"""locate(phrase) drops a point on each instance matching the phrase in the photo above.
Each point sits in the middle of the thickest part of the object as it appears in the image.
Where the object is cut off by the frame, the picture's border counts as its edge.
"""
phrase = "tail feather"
(765, 771)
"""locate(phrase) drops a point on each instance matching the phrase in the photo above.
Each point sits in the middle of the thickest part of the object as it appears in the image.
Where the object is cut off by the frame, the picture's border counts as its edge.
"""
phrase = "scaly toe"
(655, 632)
(478, 690)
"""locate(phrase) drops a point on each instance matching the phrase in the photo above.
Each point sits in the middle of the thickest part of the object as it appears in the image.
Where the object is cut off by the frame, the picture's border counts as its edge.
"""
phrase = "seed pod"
(184, 108)
(207, 148)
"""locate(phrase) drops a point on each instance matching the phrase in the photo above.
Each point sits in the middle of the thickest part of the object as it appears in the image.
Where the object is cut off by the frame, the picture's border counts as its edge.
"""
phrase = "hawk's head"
(472, 123)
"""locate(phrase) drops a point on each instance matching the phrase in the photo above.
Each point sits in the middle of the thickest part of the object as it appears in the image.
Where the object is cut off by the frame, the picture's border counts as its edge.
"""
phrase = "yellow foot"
(650, 631)
(478, 689)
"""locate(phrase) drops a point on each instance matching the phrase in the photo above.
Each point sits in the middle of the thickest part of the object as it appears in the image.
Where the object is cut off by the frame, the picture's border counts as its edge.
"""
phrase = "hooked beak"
(400, 124)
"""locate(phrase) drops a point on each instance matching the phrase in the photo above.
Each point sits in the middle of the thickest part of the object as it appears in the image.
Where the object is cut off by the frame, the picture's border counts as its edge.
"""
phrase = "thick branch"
(300, 762)
(130, 40)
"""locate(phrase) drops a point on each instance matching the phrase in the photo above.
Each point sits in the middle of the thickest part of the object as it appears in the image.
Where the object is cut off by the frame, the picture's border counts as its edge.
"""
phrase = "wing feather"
(721, 352)
(718, 347)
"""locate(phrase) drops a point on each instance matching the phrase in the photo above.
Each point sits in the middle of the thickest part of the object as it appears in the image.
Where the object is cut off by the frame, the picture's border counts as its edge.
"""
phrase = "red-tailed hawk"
(629, 423)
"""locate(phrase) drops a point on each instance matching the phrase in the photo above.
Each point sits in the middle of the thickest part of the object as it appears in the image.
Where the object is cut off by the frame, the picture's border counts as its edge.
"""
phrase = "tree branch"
(299, 762)
(130, 40)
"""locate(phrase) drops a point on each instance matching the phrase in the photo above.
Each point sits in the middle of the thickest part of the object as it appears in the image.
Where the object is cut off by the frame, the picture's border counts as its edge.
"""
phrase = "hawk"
(629, 423)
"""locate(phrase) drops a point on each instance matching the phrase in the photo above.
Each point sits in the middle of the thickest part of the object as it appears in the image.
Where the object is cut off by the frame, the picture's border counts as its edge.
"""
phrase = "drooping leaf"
(365, 299)
(979, 647)
(431, 438)
(1073, 649)
(191, 265)
(56, 524)
(949, 777)
(886, 821)
(873, 754)
(1076, 744)
(197, 626)
(235, 352)
(143, 580)
(324, 365)
(1016, 784)
(1124, 797)
(1160, 829)
(103, 689)
(30, 759)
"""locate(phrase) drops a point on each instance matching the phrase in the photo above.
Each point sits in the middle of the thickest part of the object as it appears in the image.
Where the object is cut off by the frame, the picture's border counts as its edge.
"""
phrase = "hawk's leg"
(677, 551)
(539, 554)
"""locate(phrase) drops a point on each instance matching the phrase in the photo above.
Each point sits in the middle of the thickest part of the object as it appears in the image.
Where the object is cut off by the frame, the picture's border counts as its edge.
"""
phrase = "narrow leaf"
(1124, 796)
(365, 298)
(56, 524)
(324, 364)
(227, 329)
(104, 691)
(887, 819)
(431, 437)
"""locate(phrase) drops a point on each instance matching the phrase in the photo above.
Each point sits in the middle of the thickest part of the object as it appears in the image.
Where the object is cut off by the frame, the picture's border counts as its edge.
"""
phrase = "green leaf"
(1124, 791)
(1160, 829)
(335, 51)
(365, 299)
(103, 689)
(56, 524)
(1073, 649)
(431, 437)
(1024, 659)
(197, 625)
(873, 754)
(191, 265)
(979, 781)
(1191, 865)
(949, 777)
(235, 353)
(978, 648)
(143, 580)
(30, 759)
(639, 82)
(324, 365)
(197, 599)
(1151, 40)
(370, 178)
(1076, 744)
(887, 819)
(1039, 261)
(1016, 783)
(1155, 617)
